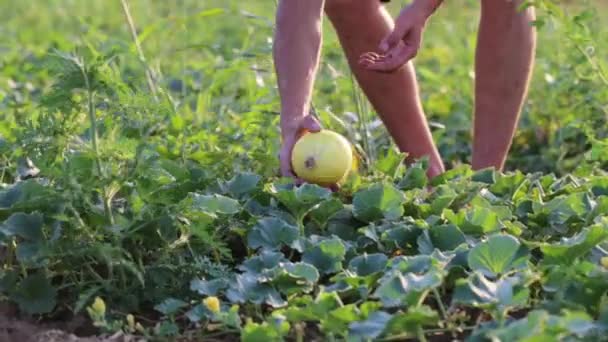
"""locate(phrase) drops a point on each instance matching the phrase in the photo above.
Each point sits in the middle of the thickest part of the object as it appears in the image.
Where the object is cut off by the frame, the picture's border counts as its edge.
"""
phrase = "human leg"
(360, 26)
(503, 66)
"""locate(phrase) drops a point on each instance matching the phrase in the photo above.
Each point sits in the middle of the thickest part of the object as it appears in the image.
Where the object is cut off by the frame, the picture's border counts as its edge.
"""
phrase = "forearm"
(429, 6)
(296, 52)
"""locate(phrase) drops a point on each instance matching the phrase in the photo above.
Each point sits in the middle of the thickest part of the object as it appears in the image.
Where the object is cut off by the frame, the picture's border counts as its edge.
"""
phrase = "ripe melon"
(324, 158)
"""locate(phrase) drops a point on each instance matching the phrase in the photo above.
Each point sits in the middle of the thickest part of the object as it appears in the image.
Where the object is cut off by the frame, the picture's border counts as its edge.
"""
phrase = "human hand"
(403, 43)
(291, 133)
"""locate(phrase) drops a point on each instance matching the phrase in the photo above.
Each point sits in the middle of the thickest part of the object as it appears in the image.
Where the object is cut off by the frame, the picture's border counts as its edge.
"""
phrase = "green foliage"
(163, 203)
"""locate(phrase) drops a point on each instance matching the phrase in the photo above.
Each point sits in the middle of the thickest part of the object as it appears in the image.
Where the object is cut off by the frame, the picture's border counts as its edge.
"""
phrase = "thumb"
(390, 41)
(310, 123)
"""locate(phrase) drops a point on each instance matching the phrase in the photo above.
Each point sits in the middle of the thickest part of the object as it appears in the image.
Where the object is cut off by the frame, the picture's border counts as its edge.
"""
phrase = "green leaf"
(481, 292)
(539, 325)
(326, 256)
(35, 294)
(264, 332)
(290, 278)
(170, 306)
(301, 199)
(29, 252)
(243, 183)
(209, 287)
(325, 210)
(441, 199)
(215, 204)
(26, 226)
(272, 234)
(563, 208)
(379, 201)
(414, 178)
(487, 176)
(397, 289)
(266, 259)
(497, 255)
(411, 320)
(401, 236)
(246, 288)
(390, 163)
(446, 237)
(308, 310)
(337, 320)
(475, 221)
(569, 249)
(364, 265)
(372, 327)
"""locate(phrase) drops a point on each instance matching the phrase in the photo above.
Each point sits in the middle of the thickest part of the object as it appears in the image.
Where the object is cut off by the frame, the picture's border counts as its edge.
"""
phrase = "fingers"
(398, 55)
(311, 124)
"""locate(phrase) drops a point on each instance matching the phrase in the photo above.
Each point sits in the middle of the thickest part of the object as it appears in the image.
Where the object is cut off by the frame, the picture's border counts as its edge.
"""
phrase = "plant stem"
(444, 312)
(94, 137)
(420, 333)
(140, 52)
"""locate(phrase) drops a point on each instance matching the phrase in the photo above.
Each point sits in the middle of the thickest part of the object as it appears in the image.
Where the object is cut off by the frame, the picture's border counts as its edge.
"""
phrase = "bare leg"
(504, 59)
(360, 26)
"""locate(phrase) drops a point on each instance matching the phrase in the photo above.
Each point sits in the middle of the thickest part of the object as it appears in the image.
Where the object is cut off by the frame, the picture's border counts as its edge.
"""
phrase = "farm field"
(140, 197)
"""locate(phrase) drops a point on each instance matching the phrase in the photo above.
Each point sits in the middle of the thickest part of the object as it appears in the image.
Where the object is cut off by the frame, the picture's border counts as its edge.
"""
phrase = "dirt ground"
(19, 330)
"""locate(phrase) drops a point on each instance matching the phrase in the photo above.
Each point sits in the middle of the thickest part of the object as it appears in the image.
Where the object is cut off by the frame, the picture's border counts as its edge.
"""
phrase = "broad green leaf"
(441, 199)
(22, 193)
(326, 256)
(539, 325)
(402, 236)
(243, 183)
(258, 332)
(569, 249)
(170, 306)
(414, 178)
(28, 253)
(390, 163)
(478, 291)
(475, 221)
(309, 310)
(26, 226)
(397, 289)
(246, 288)
(209, 287)
(266, 259)
(364, 265)
(325, 210)
(563, 208)
(497, 255)
(372, 327)
(446, 237)
(337, 320)
(35, 294)
(301, 199)
(290, 278)
(215, 204)
(272, 234)
(411, 320)
(487, 176)
(379, 201)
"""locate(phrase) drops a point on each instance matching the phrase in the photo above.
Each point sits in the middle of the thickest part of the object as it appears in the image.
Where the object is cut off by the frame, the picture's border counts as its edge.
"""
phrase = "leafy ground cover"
(139, 186)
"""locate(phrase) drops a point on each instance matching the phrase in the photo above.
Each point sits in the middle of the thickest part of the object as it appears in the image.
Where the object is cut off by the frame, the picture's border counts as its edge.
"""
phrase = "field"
(140, 193)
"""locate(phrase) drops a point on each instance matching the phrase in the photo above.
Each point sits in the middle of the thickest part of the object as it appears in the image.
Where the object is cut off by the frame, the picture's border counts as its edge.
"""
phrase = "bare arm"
(296, 51)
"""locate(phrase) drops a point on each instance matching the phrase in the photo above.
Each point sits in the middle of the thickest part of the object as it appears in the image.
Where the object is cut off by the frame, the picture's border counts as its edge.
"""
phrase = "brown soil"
(13, 329)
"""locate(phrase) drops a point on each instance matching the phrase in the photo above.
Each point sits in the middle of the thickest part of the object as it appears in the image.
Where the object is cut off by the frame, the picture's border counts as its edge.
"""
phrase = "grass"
(143, 179)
